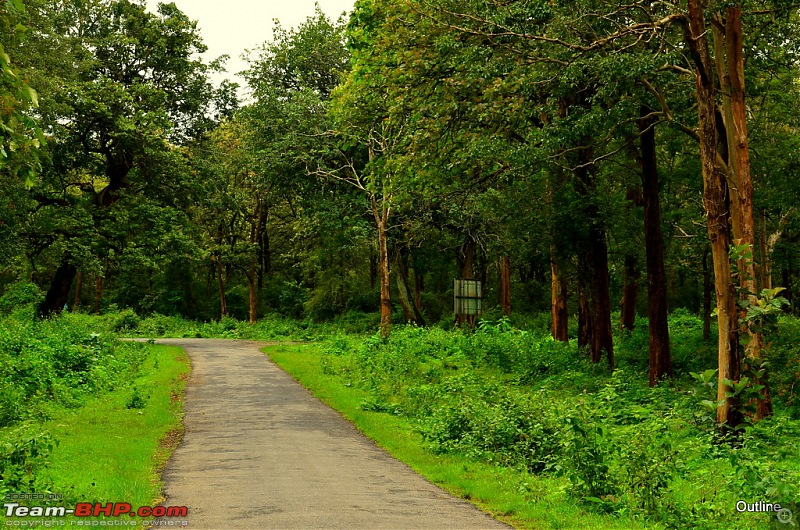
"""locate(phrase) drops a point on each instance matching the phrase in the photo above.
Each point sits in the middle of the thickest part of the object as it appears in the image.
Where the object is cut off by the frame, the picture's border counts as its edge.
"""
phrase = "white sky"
(232, 26)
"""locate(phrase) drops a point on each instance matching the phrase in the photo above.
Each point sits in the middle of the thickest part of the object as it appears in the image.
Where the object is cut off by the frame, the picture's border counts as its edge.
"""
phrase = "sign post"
(467, 300)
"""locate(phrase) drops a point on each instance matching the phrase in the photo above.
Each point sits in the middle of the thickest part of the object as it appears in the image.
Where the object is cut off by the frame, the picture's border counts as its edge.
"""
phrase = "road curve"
(259, 451)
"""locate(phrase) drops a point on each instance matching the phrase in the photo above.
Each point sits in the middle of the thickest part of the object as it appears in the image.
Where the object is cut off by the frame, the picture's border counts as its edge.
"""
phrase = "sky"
(232, 26)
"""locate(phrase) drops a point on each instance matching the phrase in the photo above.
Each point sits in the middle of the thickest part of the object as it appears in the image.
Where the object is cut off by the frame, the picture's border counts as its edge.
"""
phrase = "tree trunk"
(410, 309)
(714, 192)
(765, 271)
(596, 266)
(584, 314)
(602, 334)
(223, 303)
(504, 285)
(558, 302)
(58, 293)
(381, 218)
(660, 357)
(706, 295)
(264, 250)
(98, 293)
(746, 236)
(403, 297)
(76, 300)
(466, 260)
(252, 283)
(117, 168)
(630, 291)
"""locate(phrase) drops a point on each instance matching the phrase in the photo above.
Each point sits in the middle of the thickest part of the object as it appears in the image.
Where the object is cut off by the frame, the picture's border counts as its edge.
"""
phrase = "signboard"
(467, 297)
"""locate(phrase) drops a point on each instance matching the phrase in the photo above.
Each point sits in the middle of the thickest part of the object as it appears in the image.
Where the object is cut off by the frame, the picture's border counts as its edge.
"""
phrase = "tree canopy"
(564, 155)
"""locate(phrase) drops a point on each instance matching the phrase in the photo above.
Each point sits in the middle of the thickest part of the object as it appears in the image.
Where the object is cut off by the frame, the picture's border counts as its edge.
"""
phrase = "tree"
(135, 89)
(20, 136)
(286, 129)
(595, 35)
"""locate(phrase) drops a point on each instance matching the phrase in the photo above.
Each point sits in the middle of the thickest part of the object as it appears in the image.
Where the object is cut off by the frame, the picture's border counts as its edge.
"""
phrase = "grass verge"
(112, 449)
(518, 498)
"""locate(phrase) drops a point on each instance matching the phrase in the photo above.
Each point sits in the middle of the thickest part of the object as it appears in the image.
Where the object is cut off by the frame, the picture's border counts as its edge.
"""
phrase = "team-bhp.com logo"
(87, 509)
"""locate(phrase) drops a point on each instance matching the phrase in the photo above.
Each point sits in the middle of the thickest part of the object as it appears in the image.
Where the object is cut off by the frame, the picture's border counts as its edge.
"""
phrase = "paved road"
(260, 451)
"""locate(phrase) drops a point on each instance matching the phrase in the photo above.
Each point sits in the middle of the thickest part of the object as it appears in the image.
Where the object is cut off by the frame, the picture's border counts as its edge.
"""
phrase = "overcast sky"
(232, 26)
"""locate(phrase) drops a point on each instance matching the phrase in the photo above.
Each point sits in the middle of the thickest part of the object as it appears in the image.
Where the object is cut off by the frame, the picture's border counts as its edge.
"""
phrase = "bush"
(58, 362)
(493, 423)
(21, 300)
(24, 453)
(125, 321)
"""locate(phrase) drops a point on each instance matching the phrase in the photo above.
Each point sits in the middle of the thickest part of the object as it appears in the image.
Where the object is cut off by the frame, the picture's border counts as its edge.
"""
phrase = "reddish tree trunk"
(630, 291)
(714, 193)
(735, 57)
(558, 302)
(504, 287)
(660, 357)
(381, 214)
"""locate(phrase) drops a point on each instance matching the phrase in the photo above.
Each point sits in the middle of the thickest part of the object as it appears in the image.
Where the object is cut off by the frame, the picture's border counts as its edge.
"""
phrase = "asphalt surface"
(259, 451)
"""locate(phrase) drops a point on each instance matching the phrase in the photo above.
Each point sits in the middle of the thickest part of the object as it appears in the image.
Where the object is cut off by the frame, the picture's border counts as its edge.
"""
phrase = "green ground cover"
(85, 417)
(523, 426)
(534, 433)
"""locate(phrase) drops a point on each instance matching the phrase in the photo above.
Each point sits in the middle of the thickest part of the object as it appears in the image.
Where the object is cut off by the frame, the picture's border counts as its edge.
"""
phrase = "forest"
(620, 177)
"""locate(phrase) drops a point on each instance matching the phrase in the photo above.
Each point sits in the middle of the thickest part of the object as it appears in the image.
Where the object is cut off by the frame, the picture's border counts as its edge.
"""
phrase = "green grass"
(516, 497)
(108, 452)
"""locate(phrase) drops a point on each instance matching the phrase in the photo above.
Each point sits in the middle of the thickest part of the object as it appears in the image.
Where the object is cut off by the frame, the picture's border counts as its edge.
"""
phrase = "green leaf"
(33, 97)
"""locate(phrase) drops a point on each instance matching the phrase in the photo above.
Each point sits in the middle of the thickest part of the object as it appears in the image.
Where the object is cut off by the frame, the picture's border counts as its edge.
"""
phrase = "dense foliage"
(523, 401)
(566, 156)
(47, 368)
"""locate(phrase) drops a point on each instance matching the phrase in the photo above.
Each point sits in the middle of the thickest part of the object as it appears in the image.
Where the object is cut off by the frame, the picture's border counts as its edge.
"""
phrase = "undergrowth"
(520, 400)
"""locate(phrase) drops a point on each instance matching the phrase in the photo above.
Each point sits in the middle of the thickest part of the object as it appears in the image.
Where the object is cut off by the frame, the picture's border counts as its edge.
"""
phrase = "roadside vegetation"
(543, 438)
(525, 426)
(84, 416)
(558, 157)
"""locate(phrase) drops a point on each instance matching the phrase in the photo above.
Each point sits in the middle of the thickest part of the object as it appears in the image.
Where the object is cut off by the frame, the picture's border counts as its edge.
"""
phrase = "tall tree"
(594, 36)
(135, 86)
(20, 136)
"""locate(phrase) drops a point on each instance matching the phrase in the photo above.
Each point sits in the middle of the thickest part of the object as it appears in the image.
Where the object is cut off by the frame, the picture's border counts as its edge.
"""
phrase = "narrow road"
(259, 451)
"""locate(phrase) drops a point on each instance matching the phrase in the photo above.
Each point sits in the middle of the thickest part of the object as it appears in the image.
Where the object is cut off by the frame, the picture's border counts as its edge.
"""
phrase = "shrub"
(24, 453)
(587, 451)
(21, 300)
(58, 362)
(125, 321)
